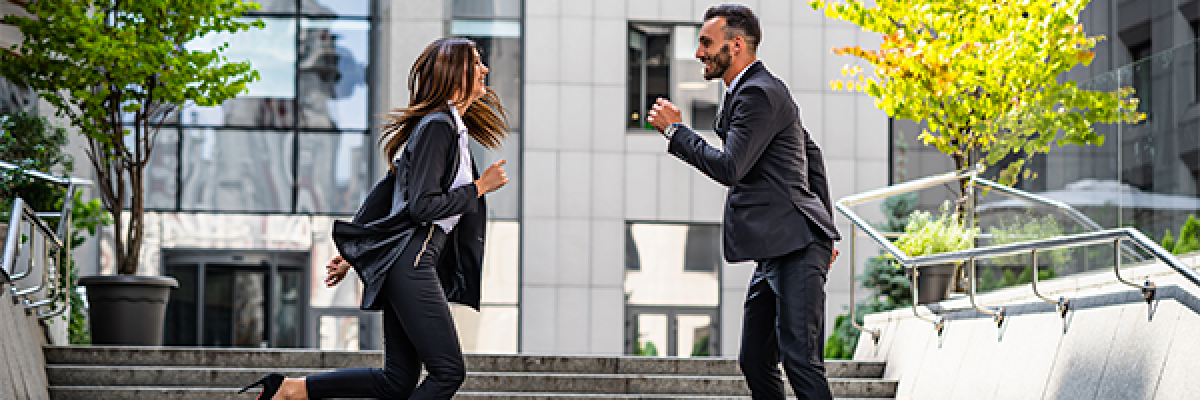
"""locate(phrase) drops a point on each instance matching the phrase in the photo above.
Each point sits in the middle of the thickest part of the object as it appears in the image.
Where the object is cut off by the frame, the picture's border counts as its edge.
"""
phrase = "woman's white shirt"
(462, 177)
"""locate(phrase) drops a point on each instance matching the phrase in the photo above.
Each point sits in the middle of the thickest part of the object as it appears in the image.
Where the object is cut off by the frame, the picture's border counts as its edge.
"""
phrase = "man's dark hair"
(739, 21)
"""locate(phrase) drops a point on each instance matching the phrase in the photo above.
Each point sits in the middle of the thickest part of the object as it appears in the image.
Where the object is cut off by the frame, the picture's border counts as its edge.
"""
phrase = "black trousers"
(417, 329)
(785, 319)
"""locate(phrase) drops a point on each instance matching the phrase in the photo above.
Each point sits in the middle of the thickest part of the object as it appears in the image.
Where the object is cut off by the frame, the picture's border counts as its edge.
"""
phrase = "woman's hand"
(336, 271)
(493, 178)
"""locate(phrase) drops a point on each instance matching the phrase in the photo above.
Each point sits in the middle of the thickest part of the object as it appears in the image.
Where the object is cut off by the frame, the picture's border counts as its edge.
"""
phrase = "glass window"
(230, 170)
(345, 8)
(338, 333)
(275, 6)
(267, 102)
(675, 266)
(499, 43)
(161, 171)
(487, 8)
(331, 176)
(332, 74)
(661, 64)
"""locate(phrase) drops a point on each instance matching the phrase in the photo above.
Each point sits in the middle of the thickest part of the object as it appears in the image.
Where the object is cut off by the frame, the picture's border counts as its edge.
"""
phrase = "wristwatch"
(670, 131)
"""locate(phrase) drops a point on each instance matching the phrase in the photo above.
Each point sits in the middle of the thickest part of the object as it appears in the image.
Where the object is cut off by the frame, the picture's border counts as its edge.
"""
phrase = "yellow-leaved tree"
(984, 77)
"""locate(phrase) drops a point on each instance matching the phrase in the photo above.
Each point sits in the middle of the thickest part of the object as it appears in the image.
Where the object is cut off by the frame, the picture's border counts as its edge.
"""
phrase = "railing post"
(1062, 304)
(853, 300)
(1148, 289)
(998, 314)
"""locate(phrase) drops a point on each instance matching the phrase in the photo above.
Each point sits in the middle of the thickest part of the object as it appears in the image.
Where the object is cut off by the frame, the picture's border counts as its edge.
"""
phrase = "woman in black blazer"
(417, 241)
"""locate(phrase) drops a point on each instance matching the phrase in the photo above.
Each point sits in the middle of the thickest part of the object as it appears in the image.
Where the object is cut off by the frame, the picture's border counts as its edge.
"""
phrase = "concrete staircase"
(96, 372)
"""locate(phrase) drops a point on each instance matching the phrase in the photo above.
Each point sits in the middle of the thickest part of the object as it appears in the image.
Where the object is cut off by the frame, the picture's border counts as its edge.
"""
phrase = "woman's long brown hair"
(446, 64)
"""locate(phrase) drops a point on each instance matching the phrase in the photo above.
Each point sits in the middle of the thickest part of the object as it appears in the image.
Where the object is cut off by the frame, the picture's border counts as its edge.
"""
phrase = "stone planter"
(126, 309)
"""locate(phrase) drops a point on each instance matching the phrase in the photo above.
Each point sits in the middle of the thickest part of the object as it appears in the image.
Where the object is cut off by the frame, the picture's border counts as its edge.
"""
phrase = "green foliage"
(844, 339)
(700, 348)
(33, 144)
(1189, 237)
(1168, 242)
(645, 349)
(926, 235)
(117, 69)
(987, 278)
(982, 76)
(1025, 229)
(891, 286)
(836, 346)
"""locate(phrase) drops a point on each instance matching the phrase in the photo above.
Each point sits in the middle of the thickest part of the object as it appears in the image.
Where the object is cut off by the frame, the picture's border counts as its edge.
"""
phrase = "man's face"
(714, 50)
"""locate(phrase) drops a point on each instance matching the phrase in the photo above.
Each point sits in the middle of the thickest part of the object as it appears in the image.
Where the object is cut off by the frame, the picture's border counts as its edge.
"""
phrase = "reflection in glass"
(218, 308)
(161, 170)
(285, 327)
(237, 171)
(696, 97)
(268, 101)
(693, 339)
(499, 44)
(338, 333)
(248, 308)
(331, 73)
(343, 8)
(675, 267)
(487, 8)
(332, 174)
(662, 64)
(651, 335)
(276, 6)
(180, 326)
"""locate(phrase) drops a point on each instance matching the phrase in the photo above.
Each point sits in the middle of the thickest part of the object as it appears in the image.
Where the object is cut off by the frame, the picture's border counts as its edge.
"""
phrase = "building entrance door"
(236, 299)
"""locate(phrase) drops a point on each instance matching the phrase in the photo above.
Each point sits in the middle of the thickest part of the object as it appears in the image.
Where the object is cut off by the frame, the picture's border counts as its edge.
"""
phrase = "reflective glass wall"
(297, 140)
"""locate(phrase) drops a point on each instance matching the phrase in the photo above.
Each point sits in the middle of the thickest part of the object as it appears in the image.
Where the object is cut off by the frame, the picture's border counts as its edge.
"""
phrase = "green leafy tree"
(117, 70)
(982, 77)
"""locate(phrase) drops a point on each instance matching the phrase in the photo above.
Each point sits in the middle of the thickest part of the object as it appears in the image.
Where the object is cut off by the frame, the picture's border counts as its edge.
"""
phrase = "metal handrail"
(1115, 236)
(51, 277)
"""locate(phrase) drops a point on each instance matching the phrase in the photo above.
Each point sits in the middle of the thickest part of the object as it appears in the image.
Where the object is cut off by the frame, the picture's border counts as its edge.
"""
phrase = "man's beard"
(720, 63)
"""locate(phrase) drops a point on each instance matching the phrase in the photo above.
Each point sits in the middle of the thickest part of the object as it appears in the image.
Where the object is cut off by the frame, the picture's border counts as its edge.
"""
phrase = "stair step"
(307, 358)
(212, 377)
(178, 393)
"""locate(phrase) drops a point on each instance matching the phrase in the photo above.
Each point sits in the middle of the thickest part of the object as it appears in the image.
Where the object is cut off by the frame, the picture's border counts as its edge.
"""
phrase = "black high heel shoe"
(270, 384)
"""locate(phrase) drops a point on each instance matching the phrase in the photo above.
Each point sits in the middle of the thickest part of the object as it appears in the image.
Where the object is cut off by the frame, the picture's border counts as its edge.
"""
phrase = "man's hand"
(833, 258)
(662, 114)
(336, 271)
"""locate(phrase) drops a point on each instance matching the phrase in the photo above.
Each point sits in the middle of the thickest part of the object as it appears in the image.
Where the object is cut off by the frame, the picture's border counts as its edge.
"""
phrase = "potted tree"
(982, 78)
(118, 70)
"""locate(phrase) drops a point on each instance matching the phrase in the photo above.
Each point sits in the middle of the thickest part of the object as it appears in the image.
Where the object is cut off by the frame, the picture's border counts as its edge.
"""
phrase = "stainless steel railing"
(39, 251)
(1118, 237)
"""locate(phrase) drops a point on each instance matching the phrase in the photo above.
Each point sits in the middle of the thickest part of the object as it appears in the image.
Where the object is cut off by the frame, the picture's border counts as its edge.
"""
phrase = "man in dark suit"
(778, 211)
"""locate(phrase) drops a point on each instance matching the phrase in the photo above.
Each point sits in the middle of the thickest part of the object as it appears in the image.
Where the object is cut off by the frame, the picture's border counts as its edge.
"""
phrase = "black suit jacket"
(415, 195)
(779, 196)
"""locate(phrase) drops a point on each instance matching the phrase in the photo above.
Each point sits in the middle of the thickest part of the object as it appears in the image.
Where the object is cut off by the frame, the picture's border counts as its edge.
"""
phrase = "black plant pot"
(933, 283)
(127, 310)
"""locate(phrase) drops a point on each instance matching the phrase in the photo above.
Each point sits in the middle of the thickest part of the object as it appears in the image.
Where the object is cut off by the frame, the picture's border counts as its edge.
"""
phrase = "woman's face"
(480, 79)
